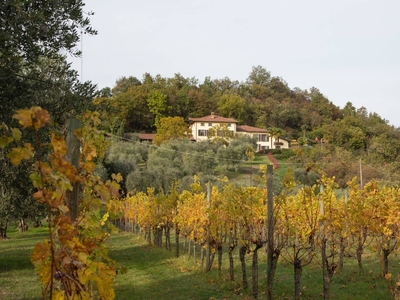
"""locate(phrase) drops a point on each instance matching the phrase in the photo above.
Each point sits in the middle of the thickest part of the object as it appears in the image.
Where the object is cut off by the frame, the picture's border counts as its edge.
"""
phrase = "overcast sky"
(348, 49)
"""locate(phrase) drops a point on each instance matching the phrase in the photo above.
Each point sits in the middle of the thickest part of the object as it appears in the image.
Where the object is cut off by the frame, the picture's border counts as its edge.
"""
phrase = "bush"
(284, 154)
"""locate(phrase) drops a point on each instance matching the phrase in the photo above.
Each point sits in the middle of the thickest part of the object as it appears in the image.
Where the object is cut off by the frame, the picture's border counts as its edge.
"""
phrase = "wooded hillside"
(336, 139)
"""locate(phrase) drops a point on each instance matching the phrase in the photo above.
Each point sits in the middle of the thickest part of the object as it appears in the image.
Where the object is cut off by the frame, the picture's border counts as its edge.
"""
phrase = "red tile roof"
(146, 136)
(213, 119)
(150, 137)
(246, 128)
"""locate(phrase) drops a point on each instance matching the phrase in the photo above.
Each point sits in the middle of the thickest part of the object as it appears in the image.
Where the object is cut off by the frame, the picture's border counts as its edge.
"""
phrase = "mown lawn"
(155, 273)
(18, 279)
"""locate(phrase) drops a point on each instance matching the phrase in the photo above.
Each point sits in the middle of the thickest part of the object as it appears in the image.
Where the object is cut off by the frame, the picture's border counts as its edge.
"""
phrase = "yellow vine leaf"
(58, 295)
(104, 219)
(103, 192)
(117, 177)
(16, 133)
(63, 208)
(89, 152)
(39, 196)
(35, 116)
(36, 180)
(18, 154)
(5, 140)
(24, 116)
(40, 258)
(59, 145)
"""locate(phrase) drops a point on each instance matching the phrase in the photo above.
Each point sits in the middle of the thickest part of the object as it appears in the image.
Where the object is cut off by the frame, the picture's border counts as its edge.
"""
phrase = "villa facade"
(201, 128)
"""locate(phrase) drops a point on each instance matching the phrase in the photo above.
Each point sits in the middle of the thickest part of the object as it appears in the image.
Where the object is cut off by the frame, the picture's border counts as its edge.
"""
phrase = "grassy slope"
(155, 273)
(17, 276)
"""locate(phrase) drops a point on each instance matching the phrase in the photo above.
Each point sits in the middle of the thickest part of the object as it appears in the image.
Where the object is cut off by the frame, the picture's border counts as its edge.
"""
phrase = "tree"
(158, 106)
(232, 106)
(33, 72)
(275, 133)
(123, 84)
(123, 158)
(298, 223)
(258, 82)
(220, 134)
(170, 128)
(31, 32)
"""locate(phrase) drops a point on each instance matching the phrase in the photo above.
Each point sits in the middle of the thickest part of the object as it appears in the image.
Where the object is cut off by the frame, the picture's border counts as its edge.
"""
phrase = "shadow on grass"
(155, 273)
(16, 250)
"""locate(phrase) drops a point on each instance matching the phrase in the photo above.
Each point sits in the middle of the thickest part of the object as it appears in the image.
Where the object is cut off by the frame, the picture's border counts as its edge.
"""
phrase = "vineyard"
(311, 225)
(123, 201)
(302, 225)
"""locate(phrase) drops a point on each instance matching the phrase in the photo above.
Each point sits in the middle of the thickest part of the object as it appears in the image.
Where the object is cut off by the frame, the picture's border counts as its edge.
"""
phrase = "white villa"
(200, 127)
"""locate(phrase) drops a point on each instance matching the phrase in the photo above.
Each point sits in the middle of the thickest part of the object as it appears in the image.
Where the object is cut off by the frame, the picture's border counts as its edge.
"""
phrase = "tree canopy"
(35, 39)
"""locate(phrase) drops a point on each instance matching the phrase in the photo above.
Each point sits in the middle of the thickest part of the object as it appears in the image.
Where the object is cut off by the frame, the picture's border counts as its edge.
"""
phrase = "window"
(210, 124)
(202, 132)
(263, 138)
(201, 124)
(229, 124)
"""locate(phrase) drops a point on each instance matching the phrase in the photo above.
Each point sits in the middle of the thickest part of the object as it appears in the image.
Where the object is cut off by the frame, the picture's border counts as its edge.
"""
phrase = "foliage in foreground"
(73, 262)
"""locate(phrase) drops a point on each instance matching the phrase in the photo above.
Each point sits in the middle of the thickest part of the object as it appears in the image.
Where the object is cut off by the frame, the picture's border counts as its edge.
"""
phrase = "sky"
(348, 49)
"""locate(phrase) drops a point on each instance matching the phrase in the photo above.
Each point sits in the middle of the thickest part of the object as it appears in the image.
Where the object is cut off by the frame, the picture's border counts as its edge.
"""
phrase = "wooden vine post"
(72, 156)
(208, 250)
(270, 253)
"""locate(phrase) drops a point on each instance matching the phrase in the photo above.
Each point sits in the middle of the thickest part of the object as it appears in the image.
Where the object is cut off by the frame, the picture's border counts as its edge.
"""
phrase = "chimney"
(212, 115)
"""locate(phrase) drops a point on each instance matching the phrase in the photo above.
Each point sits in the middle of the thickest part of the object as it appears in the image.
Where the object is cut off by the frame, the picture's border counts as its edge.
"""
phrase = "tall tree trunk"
(212, 257)
(327, 283)
(177, 231)
(298, 270)
(202, 255)
(270, 279)
(160, 235)
(219, 248)
(359, 252)
(149, 235)
(231, 263)
(385, 264)
(328, 269)
(3, 230)
(22, 226)
(254, 270)
(341, 253)
(194, 253)
(242, 254)
(155, 236)
(167, 230)
(311, 246)
(189, 248)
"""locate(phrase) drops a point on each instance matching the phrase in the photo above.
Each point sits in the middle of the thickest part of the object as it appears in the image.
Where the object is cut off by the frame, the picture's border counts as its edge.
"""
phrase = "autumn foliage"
(72, 263)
